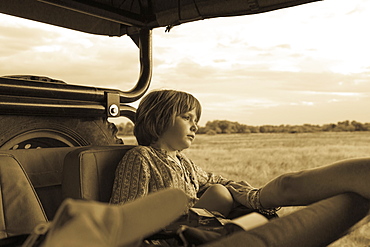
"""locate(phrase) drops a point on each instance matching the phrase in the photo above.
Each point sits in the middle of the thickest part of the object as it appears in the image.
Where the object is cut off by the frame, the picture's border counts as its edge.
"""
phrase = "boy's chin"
(186, 146)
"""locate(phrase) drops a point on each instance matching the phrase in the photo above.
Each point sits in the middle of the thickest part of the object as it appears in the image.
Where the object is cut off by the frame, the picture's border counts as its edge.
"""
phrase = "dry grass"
(258, 158)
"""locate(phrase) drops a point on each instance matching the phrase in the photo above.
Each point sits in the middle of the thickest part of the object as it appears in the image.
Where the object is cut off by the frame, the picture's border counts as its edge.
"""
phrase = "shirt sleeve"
(206, 179)
(131, 179)
(242, 191)
(249, 196)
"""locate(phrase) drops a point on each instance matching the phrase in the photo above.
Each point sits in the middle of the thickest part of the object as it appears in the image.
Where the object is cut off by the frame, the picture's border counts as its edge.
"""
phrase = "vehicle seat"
(89, 172)
(44, 168)
(21, 209)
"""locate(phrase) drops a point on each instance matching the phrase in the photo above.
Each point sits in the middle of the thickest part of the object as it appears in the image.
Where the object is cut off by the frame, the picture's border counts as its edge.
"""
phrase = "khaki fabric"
(90, 223)
(20, 207)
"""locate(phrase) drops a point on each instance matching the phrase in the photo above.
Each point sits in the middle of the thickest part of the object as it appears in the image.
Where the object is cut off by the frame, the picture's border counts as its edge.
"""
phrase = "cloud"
(68, 55)
(16, 39)
(283, 46)
(243, 94)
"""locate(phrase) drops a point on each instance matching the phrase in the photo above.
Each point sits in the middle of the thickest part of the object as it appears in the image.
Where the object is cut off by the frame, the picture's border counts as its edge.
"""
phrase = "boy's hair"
(157, 111)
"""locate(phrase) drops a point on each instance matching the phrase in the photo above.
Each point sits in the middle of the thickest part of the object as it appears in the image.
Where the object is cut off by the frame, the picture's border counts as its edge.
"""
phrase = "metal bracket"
(113, 104)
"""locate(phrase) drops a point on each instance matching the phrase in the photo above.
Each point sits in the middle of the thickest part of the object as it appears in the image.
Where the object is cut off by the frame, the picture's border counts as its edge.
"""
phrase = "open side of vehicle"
(43, 123)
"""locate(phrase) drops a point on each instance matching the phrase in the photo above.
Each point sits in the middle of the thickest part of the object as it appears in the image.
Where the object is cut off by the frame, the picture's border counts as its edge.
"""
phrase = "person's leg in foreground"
(87, 223)
(316, 225)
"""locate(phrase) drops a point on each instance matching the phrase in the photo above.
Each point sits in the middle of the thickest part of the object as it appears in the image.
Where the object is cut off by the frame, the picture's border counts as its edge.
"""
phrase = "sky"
(308, 64)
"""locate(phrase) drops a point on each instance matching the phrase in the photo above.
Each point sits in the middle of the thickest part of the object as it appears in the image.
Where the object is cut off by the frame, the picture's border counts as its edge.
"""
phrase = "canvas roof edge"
(101, 17)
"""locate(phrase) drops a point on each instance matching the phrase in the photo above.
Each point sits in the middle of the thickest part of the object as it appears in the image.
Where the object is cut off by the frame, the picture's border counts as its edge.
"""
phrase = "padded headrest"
(20, 207)
(43, 166)
(89, 172)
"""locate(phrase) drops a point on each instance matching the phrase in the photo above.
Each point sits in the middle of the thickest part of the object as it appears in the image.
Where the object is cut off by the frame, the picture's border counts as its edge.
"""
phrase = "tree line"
(229, 127)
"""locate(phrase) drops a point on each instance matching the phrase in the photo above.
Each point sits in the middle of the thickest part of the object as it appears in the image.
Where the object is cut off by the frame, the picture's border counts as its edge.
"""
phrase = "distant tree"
(211, 132)
(213, 126)
(311, 128)
(229, 127)
(253, 129)
(202, 130)
(344, 126)
(125, 128)
(329, 127)
(129, 128)
(359, 126)
(121, 128)
(366, 126)
(263, 129)
(268, 129)
(224, 126)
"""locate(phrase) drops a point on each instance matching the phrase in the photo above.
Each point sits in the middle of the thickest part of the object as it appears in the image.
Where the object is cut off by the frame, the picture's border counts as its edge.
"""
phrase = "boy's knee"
(216, 198)
(220, 191)
(288, 186)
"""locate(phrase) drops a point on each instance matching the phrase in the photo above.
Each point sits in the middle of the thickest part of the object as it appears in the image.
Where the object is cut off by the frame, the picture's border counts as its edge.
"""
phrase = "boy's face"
(181, 134)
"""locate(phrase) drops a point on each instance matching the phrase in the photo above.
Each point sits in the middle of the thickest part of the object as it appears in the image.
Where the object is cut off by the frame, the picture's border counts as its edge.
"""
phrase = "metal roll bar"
(18, 96)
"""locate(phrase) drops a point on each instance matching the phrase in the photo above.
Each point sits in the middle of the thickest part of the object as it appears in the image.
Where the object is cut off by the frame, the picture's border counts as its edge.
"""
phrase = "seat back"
(89, 172)
(20, 208)
(31, 187)
(44, 168)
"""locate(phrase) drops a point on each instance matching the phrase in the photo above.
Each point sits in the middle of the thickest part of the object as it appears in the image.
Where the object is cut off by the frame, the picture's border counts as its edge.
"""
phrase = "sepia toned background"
(306, 64)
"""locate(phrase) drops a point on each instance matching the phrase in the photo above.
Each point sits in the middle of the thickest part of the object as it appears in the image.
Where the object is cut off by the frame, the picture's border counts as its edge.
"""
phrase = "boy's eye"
(186, 117)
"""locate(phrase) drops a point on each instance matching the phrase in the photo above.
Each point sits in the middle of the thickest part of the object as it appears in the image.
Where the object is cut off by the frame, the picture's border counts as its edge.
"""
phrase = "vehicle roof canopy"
(120, 17)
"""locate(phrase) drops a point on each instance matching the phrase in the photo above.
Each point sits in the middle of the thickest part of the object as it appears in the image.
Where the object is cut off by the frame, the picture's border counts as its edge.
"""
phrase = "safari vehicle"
(55, 138)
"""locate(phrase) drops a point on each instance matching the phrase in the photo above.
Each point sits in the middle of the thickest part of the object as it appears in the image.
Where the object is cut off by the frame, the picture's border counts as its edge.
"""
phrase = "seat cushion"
(20, 207)
(89, 172)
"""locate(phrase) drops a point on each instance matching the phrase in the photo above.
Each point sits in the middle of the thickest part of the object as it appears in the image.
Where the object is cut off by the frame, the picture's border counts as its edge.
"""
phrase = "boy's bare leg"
(216, 198)
(316, 225)
(313, 185)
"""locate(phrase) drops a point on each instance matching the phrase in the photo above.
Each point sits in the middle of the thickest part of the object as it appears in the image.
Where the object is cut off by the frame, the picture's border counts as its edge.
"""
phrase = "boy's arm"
(208, 178)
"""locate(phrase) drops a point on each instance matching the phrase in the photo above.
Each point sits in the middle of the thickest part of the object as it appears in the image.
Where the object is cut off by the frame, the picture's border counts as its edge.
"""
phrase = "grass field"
(258, 158)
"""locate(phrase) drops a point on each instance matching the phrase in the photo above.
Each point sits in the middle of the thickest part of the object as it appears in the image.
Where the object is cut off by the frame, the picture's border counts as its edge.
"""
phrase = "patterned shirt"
(145, 169)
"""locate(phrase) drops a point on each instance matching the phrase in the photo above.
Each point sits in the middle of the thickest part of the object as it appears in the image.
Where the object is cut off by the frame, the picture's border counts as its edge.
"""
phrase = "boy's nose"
(194, 127)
